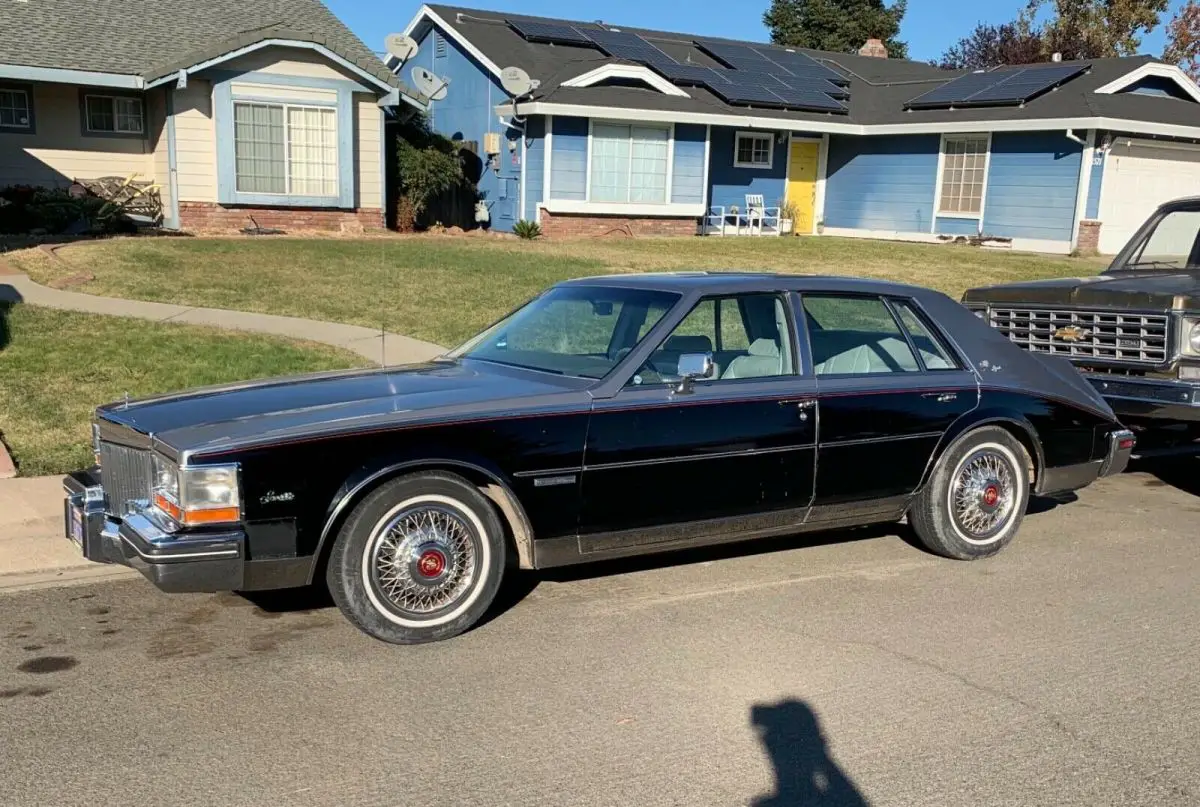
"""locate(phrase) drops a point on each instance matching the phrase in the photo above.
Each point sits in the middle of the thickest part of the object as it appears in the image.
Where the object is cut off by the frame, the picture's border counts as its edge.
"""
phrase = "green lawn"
(445, 289)
(56, 367)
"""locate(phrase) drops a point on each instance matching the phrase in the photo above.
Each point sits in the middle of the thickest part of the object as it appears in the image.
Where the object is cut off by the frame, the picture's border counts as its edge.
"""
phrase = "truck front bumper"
(1149, 399)
(174, 563)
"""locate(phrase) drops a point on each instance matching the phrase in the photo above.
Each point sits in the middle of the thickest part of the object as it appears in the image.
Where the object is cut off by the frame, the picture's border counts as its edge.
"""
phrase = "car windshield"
(582, 331)
(1172, 244)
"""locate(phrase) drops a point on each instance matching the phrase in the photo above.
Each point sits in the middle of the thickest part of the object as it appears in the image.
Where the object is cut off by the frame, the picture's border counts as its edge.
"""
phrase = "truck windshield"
(1174, 243)
(582, 331)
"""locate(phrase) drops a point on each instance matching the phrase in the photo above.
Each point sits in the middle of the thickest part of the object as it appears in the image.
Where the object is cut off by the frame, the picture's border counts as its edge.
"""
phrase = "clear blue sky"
(930, 26)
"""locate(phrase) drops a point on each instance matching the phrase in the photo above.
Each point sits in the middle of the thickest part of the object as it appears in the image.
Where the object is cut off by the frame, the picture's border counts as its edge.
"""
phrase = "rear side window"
(932, 351)
(856, 336)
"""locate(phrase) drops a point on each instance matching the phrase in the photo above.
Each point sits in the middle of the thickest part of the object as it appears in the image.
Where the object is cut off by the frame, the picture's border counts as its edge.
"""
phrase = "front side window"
(1172, 244)
(856, 336)
(964, 174)
(14, 109)
(747, 335)
(114, 114)
(582, 331)
(285, 149)
(629, 163)
(753, 150)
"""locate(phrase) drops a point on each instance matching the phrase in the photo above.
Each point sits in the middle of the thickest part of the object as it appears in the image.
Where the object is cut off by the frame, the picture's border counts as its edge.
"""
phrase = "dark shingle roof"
(152, 38)
(879, 88)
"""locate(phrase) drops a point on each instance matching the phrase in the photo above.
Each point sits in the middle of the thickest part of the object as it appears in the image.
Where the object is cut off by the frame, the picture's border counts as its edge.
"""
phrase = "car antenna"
(382, 321)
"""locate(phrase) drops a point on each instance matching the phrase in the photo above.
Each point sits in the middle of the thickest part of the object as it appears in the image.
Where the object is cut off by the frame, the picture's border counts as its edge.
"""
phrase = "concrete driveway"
(1064, 672)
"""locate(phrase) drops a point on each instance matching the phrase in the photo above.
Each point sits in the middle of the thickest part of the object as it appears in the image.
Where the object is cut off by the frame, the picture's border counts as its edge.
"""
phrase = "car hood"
(220, 417)
(1151, 291)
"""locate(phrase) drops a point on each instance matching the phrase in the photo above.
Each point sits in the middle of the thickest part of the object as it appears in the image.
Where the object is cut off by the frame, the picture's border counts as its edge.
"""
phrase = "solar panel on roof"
(690, 74)
(732, 54)
(749, 94)
(818, 84)
(548, 32)
(1004, 86)
(621, 45)
(956, 90)
(1023, 85)
(803, 65)
(803, 98)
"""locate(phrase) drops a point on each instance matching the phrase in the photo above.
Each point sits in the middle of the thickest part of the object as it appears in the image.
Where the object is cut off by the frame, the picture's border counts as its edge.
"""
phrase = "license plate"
(76, 526)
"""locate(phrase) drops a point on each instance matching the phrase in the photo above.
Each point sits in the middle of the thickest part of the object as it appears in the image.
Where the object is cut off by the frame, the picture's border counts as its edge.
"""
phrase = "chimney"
(875, 48)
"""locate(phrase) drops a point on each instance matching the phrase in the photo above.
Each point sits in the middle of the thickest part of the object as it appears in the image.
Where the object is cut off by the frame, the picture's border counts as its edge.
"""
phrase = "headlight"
(1190, 343)
(197, 496)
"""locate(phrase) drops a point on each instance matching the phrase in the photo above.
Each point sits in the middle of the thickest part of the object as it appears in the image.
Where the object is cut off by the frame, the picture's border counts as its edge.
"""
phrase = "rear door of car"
(889, 388)
(734, 454)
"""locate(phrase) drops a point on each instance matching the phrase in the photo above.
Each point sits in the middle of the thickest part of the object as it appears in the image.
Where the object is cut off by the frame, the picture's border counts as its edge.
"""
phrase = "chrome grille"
(126, 475)
(1099, 335)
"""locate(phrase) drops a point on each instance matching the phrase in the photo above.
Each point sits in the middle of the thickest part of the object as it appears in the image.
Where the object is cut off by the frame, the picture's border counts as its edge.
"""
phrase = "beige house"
(271, 109)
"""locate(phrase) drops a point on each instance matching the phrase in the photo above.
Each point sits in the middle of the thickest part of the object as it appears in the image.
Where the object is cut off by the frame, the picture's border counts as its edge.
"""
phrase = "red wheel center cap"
(431, 563)
(991, 495)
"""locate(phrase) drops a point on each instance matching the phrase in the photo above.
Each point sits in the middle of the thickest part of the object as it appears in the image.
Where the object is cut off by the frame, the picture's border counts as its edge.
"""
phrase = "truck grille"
(126, 475)
(1087, 335)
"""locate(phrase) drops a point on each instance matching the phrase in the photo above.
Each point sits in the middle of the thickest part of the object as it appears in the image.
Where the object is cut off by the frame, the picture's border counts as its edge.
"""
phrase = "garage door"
(1139, 175)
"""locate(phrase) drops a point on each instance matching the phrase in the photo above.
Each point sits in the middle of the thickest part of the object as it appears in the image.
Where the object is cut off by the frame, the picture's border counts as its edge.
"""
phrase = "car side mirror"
(691, 367)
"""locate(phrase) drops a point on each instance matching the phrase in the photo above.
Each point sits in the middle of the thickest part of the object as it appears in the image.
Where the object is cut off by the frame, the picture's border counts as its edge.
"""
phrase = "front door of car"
(733, 454)
(889, 389)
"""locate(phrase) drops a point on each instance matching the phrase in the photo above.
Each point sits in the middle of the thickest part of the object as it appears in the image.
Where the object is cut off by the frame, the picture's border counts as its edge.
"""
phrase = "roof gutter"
(58, 75)
(1075, 138)
(836, 126)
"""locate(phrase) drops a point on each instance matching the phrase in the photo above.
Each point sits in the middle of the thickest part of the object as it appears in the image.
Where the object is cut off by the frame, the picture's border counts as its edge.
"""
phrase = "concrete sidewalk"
(390, 348)
(34, 550)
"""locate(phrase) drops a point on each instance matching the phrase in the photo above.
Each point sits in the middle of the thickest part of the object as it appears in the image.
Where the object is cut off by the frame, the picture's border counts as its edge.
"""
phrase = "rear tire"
(975, 499)
(418, 560)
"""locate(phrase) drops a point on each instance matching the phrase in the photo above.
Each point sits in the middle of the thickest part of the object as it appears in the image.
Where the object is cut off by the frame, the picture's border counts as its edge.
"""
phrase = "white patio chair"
(759, 216)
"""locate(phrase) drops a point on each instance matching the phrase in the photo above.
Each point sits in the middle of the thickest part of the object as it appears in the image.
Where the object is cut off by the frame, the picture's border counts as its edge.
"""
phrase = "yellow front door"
(802, 184)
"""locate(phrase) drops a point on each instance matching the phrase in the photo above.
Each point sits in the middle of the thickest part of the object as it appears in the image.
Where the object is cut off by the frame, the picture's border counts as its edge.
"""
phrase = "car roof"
(718, 281)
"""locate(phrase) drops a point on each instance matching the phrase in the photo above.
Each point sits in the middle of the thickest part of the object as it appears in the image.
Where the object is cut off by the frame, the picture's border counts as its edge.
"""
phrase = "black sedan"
(607, 417)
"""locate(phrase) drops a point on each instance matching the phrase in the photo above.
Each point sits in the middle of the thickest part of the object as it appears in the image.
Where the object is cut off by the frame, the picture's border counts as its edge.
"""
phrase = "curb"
(56, 578)
(8, 469)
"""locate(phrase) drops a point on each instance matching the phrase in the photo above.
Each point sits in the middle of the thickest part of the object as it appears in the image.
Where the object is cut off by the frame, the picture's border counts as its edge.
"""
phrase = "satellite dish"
(429, 85)
(516, 82)
(401, 46)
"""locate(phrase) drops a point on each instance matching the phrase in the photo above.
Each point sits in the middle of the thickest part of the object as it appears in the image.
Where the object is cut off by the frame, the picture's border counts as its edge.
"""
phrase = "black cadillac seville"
(607, 417)
(1133, 331)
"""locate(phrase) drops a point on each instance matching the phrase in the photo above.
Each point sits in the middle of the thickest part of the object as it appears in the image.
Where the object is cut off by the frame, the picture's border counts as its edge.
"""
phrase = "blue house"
(651, 132)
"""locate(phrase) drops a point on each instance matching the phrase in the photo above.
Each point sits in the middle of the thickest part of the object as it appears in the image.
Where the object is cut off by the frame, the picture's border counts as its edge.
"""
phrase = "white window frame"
(287, 141)
(28, 124)
(668, 128)
(737, 147)
(112, 100)
(941, 172)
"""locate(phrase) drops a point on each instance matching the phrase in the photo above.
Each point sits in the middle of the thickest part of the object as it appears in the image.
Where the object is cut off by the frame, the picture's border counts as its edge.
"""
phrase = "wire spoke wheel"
(423, 559)
(983, 495)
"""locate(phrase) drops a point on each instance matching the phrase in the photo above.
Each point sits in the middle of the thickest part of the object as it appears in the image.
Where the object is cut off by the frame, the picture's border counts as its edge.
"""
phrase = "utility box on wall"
(491, 143)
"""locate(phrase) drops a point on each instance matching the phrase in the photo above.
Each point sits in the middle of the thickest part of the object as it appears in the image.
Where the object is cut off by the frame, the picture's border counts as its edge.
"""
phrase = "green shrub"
(24, 209)
(430, 166)
(527, 230)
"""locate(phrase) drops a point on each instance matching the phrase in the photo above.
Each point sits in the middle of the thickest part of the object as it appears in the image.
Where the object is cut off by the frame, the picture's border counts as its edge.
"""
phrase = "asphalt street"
(802, 671)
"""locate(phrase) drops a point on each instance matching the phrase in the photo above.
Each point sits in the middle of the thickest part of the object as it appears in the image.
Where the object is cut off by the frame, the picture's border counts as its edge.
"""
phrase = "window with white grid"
(629, 163)
(285, 149)
(107, 113)
(751, 150)
(964, 175)
(14, 109)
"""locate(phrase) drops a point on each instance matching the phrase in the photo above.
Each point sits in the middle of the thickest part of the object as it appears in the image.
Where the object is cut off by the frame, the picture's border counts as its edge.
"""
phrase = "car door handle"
(941, 397)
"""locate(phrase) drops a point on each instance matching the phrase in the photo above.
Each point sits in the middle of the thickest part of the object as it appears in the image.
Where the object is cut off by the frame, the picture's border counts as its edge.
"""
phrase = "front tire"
(420, 559)
(975, 500)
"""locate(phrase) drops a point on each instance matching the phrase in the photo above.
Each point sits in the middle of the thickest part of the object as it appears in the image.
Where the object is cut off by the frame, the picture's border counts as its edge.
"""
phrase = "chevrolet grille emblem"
(1071, 333)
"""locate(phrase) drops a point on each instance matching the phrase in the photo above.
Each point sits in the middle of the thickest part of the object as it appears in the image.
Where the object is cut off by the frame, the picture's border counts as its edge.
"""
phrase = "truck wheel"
(419, 559)
(975, 500)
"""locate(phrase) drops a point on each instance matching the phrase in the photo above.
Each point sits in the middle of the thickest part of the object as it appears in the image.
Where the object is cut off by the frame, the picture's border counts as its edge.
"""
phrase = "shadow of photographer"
(805, 774)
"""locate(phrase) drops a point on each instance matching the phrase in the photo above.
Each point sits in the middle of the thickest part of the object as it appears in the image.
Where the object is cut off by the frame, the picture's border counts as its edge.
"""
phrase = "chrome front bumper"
(175, 563)
(1150, 399)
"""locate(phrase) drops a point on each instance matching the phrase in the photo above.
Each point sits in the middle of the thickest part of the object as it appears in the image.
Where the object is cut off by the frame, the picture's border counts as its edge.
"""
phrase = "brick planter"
(570, 225)
(208, 216)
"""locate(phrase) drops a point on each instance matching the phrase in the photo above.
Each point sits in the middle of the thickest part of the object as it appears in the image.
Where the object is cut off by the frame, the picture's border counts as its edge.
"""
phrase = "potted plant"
(788, 213)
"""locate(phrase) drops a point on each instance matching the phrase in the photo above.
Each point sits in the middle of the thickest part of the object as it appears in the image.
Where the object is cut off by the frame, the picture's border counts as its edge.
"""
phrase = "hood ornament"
(1071, 333)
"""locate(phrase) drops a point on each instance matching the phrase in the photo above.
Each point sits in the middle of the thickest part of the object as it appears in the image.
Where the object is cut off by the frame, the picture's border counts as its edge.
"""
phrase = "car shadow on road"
(1177, 472)
(805, 773)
